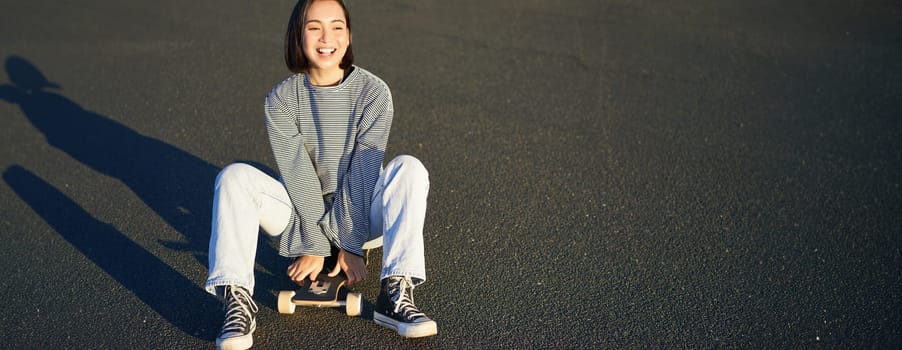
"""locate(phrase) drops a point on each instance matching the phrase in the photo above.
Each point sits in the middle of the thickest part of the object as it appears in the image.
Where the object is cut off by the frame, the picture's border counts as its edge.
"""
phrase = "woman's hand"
(353, 266)
(305, 266)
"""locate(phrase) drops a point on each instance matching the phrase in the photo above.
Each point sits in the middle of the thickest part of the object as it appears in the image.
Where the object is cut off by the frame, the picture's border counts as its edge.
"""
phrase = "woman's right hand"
(305, 266)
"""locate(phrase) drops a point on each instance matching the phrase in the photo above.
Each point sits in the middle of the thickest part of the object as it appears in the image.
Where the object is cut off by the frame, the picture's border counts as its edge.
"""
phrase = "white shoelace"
(404, 300)
(240, 311)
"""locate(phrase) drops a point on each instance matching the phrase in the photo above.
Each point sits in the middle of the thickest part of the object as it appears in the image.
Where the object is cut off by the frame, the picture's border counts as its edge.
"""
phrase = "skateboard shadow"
(177, 185)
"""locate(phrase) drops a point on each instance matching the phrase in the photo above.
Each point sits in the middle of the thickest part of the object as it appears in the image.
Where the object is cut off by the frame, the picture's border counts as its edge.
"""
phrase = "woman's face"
(326, 35)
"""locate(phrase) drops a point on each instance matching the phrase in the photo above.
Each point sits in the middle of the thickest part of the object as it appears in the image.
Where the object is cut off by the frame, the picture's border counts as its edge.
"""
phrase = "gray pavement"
(605, 174)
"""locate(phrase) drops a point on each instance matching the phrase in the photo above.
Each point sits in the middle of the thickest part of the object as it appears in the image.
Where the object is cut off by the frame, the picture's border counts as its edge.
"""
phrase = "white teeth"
(325, 50)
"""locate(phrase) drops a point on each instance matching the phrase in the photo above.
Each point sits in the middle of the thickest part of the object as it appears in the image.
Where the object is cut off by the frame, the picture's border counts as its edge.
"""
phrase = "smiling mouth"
(326, 51)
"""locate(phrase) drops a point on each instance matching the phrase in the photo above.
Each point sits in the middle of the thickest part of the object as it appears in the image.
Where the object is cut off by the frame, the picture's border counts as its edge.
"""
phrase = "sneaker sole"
(243, 342)
(407, 330)
(235, 343)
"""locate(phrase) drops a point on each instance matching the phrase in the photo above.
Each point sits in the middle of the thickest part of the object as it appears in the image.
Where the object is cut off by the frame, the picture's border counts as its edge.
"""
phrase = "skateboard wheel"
(286, 306)
(354, 304)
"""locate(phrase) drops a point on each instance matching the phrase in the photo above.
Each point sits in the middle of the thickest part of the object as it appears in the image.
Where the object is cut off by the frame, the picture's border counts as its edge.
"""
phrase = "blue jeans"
(246, 199)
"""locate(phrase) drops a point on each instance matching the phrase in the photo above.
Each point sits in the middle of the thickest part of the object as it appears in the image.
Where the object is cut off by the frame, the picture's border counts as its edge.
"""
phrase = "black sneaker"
(238, 328)
(395, 309)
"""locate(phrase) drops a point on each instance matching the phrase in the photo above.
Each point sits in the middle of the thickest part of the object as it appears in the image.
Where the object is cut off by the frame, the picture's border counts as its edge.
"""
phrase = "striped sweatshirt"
(329, 143)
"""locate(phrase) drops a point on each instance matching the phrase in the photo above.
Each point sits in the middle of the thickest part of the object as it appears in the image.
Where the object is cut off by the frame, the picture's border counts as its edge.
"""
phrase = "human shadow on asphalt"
(145, 275)
(175, 184)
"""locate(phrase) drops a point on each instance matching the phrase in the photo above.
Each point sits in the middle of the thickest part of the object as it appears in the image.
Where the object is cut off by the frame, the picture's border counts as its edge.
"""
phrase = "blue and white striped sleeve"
(303, 235)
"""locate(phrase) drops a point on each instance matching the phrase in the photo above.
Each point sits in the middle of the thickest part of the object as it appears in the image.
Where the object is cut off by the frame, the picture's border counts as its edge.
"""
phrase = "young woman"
(328, 125)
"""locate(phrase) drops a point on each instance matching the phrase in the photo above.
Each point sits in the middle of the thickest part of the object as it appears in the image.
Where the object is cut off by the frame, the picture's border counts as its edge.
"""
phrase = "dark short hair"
(294, 52)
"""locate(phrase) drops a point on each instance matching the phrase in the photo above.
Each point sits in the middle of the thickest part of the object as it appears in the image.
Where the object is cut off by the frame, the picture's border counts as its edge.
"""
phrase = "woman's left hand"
(353, 266)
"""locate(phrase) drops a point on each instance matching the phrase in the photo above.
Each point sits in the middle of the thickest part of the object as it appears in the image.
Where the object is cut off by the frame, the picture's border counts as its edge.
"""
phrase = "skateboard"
(324, 292)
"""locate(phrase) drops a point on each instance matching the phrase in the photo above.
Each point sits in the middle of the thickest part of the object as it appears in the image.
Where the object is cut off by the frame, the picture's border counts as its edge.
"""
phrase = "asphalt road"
(605, 174)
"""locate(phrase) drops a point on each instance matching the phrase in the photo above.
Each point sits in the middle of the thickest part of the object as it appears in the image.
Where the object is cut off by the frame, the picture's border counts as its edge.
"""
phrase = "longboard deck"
(324, 292)
(325, 289)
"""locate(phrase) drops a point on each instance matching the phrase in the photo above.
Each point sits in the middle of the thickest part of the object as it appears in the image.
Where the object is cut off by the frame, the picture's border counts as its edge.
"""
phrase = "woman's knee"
(409, 166)
(234, 174)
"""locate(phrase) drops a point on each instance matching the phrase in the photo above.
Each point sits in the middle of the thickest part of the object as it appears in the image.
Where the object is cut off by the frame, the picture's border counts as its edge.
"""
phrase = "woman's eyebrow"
(320, 22)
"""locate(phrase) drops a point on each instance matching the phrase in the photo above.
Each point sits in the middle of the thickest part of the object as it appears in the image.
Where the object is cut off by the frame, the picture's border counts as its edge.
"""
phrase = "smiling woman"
(317, 36)
(328, 125)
